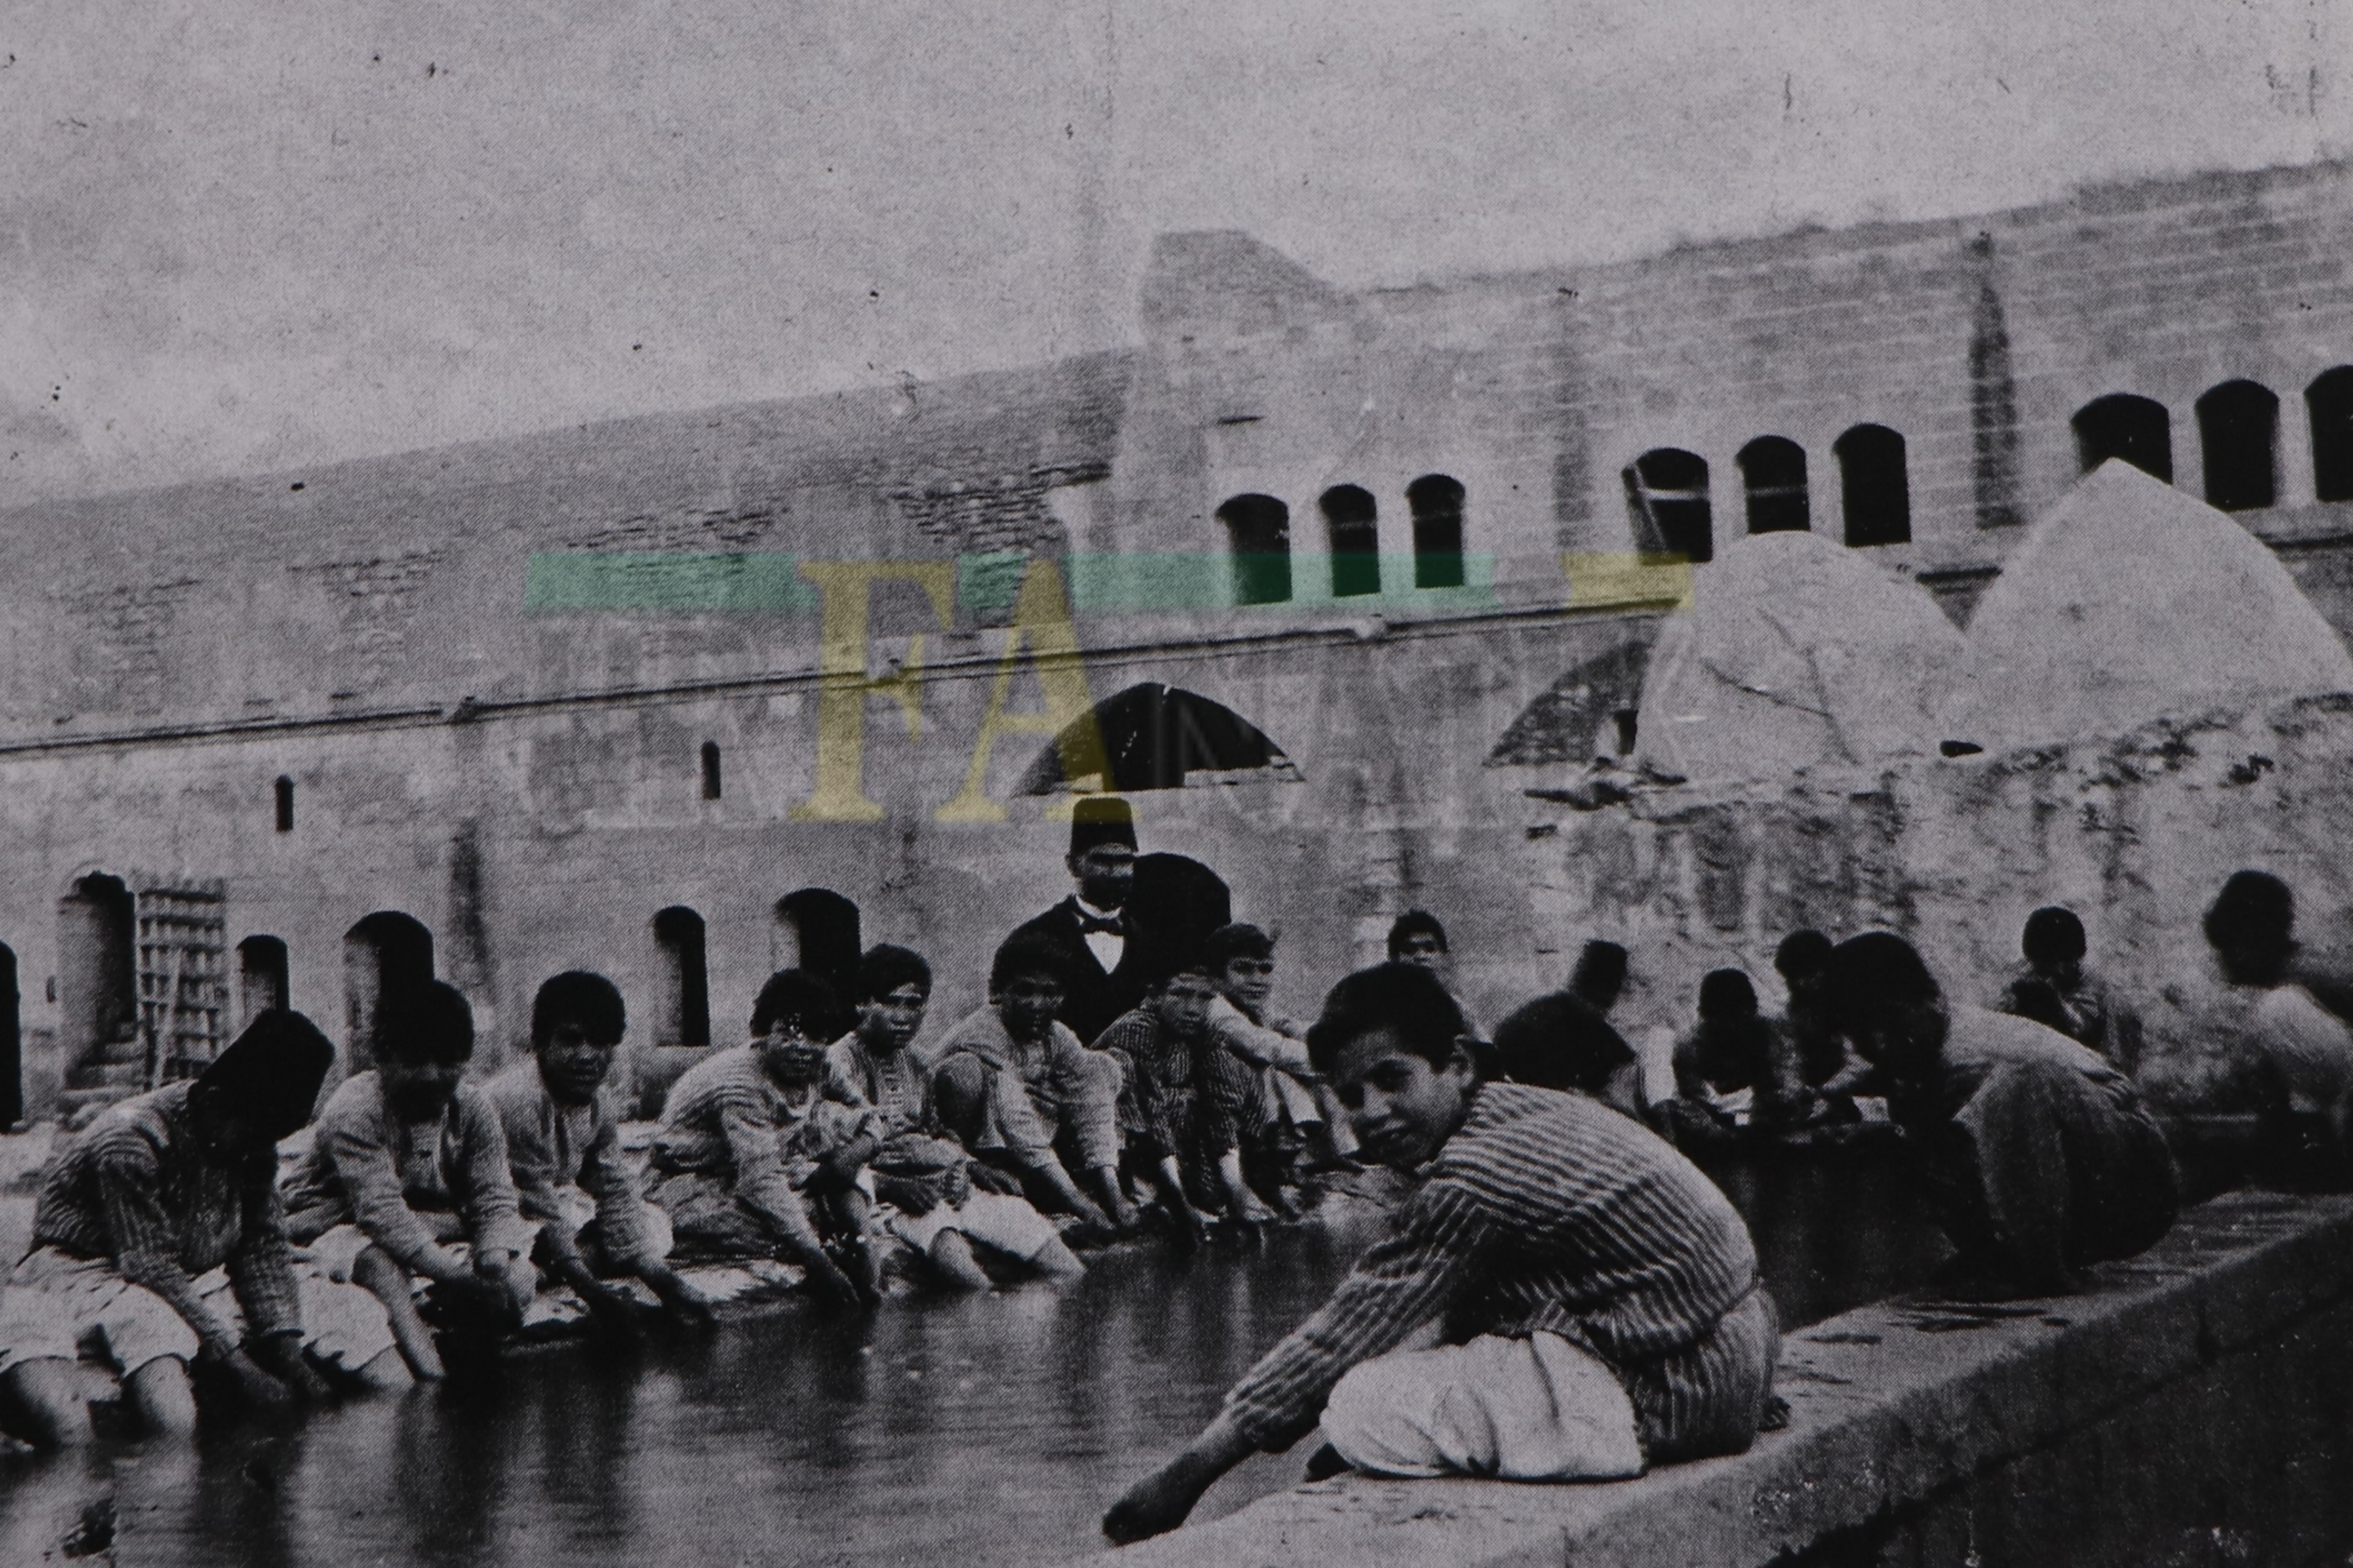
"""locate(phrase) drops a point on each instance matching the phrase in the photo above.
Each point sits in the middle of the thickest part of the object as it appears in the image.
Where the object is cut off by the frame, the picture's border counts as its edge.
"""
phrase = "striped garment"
(369, 1168)
(137, 1188)
(727, 1118)
(1548, 1211)
(551, 1146)
(1187, 1098)
(897, 1084)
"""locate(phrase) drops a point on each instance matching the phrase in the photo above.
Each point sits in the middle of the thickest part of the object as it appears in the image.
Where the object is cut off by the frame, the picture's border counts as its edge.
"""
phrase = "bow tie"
(1112, 924)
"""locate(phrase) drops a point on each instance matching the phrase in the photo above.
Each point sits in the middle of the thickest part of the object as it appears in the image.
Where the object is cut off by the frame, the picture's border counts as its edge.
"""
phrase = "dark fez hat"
(1101, 819)
(272, 1072)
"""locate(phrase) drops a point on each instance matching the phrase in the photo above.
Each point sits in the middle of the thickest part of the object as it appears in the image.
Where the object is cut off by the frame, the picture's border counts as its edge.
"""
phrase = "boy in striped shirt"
(1590, 1300)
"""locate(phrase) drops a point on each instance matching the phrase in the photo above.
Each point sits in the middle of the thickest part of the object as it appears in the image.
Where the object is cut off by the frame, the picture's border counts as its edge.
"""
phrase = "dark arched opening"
(683, 1011)
(1666, 493)
(818, 932)
(1352, 528)
(2238, 436)
(1258, 530)
(2138, 430)
(384, 953)
(260, 977)
(98, 985)
(1873, 490)
(283, 792)
(1773, 472)
(710, 779)
(2329, 403)
(12, 1043)
(1154, 735)
(1436, 501)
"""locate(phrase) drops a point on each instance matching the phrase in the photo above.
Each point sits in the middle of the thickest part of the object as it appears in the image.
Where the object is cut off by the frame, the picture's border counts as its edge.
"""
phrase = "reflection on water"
(970, 1432)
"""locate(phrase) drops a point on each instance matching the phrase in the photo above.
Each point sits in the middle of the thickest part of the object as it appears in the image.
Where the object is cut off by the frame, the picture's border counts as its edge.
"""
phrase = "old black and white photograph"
(1487, 782)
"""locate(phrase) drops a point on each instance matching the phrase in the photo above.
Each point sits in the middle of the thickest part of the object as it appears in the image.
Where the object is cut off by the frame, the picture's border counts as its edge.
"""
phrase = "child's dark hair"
(1404, 998)
(1601, 972)
(1414, 924)
(1724, 993)
(795, 996)
(884, 968)
(2255, 907)
(2053, 935)
(1559, 1041)
(1802, 954)
(1239, 939)
(579, 997)
(1875, 972)
(1028, 952)
(426, 1024)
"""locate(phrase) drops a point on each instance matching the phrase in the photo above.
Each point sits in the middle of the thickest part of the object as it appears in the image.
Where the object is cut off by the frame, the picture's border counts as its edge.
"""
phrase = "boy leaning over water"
(159, 1234)
(1596, 1295)
(407, 1175)
(564, 1150)
(750, 1145)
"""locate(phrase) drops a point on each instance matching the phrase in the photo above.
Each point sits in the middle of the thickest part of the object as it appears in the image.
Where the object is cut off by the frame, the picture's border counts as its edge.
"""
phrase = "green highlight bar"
(988, 584)
(668, 580)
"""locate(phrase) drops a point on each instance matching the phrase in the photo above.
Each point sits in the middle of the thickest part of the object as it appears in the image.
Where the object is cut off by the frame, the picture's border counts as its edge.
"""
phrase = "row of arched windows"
(1667, 492)
(2238, 437)
(1258, 530)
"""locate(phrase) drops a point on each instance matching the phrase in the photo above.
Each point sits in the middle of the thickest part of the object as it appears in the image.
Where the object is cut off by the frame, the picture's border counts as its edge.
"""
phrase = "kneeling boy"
(407, 1175)
(158, 1232)
(564, 1149)
(1600, 1295)
(749, 1140)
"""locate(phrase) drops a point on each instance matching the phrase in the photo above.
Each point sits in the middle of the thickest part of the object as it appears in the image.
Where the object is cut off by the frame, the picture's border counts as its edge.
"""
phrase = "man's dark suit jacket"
(1090, 998)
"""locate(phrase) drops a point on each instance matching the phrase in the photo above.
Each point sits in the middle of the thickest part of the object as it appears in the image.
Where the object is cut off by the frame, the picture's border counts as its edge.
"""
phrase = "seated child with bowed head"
(564, 1150)
(944, 1203)
(749, 1144)
(407, 1175)
(159, 1234)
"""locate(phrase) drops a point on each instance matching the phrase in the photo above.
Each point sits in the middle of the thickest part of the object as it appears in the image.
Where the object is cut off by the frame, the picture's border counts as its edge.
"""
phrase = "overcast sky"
(260, 233)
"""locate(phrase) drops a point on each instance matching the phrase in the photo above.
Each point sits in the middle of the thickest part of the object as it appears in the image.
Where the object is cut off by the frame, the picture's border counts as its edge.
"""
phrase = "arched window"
(2238, 434)
(386, 951)
(1258, 528)
(1873, 488)
(682, 1012)
(2137, 429)
(711, 781)
(12, 1044)
(97, 983)
(1773, 471)
(818, 932)
(1666, 491)
(1352, 525)
(1437, 504)
(284, 791)
(2329, 403)
(260, 977)
(1154, 736)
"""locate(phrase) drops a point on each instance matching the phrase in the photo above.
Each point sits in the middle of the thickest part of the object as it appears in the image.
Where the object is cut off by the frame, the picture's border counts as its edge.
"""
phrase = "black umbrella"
(1150, 736)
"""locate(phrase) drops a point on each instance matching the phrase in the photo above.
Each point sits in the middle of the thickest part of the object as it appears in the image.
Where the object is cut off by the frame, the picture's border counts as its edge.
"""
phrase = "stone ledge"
(1891, 1407)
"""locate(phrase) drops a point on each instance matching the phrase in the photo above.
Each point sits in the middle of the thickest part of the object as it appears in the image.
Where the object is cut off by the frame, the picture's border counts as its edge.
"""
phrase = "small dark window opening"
(683, 1017)
(98, 981)
(1258, 528)
(1773, 471)
(2328, 402)
(2137, 429)
(2238, 434)
(710, 770)
(285, 792)
(822, 928)
(1352, 525)
(1437, 503)
(1666, 493)
(260, 977)
(1873, 488)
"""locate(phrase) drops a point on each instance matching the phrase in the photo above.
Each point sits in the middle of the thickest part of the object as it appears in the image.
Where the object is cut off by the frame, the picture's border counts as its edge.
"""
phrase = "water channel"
(973, 1432)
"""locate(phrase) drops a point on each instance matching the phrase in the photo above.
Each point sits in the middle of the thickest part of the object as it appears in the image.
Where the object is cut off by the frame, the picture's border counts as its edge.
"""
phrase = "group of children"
(1558, 1266)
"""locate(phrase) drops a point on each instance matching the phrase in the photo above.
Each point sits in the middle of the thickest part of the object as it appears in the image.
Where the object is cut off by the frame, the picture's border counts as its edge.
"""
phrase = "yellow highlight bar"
(1619, 579)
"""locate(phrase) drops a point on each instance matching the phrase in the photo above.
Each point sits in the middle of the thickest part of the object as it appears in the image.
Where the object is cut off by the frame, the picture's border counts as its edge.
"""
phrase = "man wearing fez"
(159, 1237)
(1105, 961)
